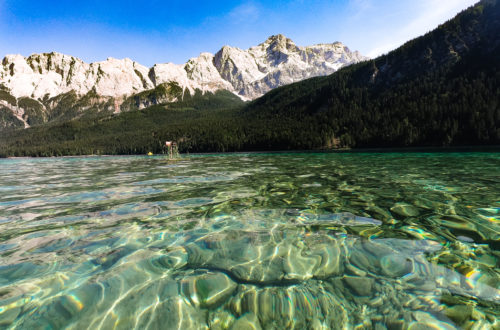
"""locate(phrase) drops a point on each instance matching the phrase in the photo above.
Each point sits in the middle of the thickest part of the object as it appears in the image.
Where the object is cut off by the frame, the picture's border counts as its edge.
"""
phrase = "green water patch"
(271, 241)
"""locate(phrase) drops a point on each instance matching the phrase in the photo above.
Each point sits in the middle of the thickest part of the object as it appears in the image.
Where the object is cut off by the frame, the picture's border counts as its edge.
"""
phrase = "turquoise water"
(250, 241)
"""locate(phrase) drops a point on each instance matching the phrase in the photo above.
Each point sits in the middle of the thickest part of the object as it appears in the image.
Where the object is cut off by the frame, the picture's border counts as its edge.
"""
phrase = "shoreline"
(458, 149)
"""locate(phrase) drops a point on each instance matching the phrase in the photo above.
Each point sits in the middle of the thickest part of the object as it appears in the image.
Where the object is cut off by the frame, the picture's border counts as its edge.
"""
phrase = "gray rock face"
(277, 62)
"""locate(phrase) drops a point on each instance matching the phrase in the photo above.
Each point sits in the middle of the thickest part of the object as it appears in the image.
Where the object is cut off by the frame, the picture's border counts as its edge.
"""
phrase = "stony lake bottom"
(251, 241)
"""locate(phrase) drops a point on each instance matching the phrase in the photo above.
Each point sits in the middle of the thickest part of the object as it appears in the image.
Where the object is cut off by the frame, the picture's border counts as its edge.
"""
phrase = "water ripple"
(251, 240)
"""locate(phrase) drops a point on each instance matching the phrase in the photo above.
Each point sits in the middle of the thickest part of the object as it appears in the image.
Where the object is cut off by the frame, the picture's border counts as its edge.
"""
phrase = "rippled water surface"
(251, 241)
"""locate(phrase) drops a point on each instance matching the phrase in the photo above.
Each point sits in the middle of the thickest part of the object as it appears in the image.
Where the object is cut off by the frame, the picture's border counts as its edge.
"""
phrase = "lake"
(251, 241)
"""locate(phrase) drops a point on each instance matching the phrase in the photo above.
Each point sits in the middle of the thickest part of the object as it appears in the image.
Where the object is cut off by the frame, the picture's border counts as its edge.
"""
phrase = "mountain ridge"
(247, 73)
(67, 67)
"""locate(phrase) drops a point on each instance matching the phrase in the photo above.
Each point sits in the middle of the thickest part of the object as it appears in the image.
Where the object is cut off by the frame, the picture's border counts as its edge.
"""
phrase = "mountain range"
(441, 89)
(50, 86)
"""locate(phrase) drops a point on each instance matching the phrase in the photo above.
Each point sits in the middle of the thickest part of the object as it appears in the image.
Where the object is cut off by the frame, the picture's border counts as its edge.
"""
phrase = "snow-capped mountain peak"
(247, 73)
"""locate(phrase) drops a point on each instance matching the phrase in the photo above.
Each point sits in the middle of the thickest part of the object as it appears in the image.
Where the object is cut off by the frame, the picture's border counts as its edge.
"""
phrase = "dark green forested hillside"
(130, 132)
(440, 89)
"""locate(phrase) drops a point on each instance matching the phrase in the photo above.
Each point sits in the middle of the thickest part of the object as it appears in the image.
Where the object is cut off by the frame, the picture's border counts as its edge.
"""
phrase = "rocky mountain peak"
(279, 43)
(247, 73)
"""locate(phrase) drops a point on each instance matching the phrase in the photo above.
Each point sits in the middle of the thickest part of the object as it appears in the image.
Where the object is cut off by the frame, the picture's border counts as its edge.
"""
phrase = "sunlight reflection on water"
(261, 240)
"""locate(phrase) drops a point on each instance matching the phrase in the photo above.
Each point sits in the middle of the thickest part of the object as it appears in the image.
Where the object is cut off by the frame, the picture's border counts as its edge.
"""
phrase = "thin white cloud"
(358, 8)
(429, 14)
(244, 13)
(361, 5)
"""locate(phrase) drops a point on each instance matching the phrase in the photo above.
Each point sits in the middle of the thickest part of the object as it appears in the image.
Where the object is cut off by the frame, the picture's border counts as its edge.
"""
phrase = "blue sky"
(154, 31)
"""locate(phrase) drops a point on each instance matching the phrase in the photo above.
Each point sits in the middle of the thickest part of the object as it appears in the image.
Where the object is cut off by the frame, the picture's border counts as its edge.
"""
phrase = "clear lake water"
(251, 241)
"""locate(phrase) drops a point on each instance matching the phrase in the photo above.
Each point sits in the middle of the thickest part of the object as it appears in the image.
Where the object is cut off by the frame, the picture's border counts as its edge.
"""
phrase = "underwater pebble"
(317, 325)
(207, 290)
(275, 307)
(249, 302)
(426, 326)
(329, 263)
(394, 323)
(296, 266)
(174, 259)
(247, 322)
(459, 313)
(481, 325)
(428, 321)
(361, 285)
(477, 315)
(465, 239)
(220, 320)
(379, 326)
(175, 313)
(376, 302)
(197, 255)
(19, 271)
(360, 259)
(426, 286)
(355, 270)
(405, 210)
(378, 250)
(288, 307)
(396, 265)
(8, 316)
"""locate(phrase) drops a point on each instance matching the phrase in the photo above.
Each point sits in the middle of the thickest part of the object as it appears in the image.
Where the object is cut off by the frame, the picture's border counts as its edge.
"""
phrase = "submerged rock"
(174, 259)
(361, 285)
(8, 316)
(405, 210)
(459, 313)
(263, 258)
(289, 278)
(247, 322)
(220, 320)
(396, 265)
(290, 307)
(207, 290)
(175, 313)
(427, 321)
